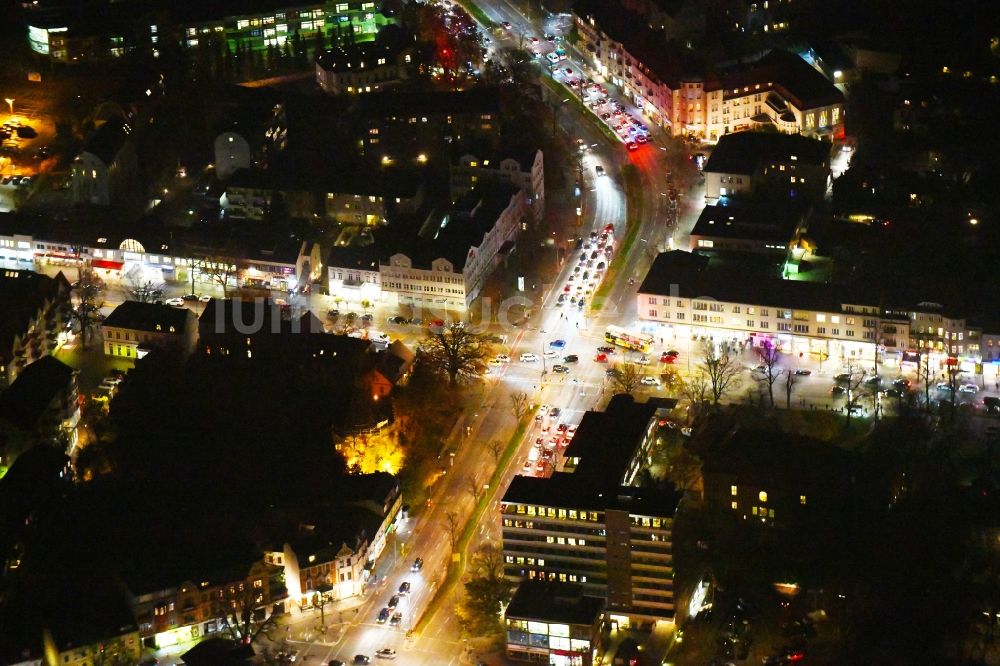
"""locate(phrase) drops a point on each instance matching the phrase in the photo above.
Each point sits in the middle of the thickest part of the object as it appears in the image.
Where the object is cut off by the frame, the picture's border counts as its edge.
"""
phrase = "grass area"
(478, 14)
(633, 221)
(457, 569)
(560, 89)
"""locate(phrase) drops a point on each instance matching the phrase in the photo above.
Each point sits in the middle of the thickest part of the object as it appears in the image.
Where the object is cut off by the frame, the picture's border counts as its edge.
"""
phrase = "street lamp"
(10, 103)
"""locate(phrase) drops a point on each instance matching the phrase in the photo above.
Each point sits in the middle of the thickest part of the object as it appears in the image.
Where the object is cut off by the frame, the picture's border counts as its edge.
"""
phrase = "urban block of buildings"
(368, 66)
(779, 91)
(546, 619)
(590, 525)
(41, 408)
(688, 295)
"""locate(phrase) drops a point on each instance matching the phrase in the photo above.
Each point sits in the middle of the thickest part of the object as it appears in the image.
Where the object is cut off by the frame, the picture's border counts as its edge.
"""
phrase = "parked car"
(803, 373)
(394, 601)
(396, 619)
(383, 616)
(560, 369)
(968, 388)
(361, 659)
(397, 319)
(572, 358)
(649, 381)
(558, 344)
(528, 357)
(601, 358)
(175, 302)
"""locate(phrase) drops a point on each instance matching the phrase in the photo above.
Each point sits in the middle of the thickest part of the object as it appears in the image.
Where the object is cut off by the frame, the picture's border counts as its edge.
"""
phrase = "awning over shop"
(107, 265)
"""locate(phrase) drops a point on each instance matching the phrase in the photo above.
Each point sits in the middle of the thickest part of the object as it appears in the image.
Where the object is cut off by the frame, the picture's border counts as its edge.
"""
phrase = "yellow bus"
(617, 335)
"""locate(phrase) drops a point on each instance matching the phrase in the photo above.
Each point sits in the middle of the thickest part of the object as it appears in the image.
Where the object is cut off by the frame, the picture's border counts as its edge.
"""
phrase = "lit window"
(762, 496)
(732, 490)
(733, 505)
(802, 500)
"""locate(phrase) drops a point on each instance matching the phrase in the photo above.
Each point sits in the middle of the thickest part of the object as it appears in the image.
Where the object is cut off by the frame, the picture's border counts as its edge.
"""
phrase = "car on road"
(404, 587)
(526, 467)
(503, 358)
(606, 350)
(176, 302)
(205, 298)
(842, 378)
(838, 390)
(417, 565)
(968, 388)
(551, 354)
(641, 138)
(495, 363)
(528, 357)
(666, 358)
(397, 319)
(555, 412)
(601, 358)
(540, 465)
(558, 344)
(571, 358)
(943, 387)
(550, 38)
(534, 40)
(335, 662)
(569, 71)
(190, 297)
(599, 170)
(901, 383)
(632, 145)
(361, 659)
(506, 25)
(394, 601)
(560, 369)
(642, 360)
(874, 380)
(803, 373)
(383, 616)
(649, 381)
(396, 619)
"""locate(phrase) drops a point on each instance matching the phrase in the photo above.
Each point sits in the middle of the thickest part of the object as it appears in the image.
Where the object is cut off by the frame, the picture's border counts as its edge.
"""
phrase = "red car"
(601, 358)
(631, 145)
(667, 358)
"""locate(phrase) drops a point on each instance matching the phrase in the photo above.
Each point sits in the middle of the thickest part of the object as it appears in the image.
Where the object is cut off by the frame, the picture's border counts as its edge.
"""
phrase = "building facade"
(36, 316)
(589, 525)
(363, 68)
(106, 165)
(553, 623)
(527, 174)
(134, 329)
(779, 91)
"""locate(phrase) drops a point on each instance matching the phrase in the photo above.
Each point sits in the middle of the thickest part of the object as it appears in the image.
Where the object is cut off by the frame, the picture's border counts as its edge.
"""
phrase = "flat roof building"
(589, 524)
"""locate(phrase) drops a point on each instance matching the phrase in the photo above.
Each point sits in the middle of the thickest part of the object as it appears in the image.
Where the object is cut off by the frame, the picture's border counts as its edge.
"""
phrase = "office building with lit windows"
(590, 524)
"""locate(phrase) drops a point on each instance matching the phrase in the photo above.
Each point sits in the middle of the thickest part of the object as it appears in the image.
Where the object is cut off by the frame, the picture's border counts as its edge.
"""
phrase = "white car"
(528, 357)
(496, 363)
(176, 302)
(642, 360)
(503, 358)
(968, 388)
(386, 653)
(543, 410)
(649, 381)
(205, 298)
(551, 354)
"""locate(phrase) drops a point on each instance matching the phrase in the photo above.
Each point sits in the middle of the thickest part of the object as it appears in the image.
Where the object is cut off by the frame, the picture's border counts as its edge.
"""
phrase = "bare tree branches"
(136, 288)
(519, 404)
(456, 352)
(626, 377)
(791, 379)
(242, 608)
(769, 371)
(454, 526)
(87, 313)
(496, 448)
(721, 368)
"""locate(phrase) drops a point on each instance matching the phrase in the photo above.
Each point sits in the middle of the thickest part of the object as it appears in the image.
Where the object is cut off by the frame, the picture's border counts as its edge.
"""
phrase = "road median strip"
(633, 221)
(456, 570)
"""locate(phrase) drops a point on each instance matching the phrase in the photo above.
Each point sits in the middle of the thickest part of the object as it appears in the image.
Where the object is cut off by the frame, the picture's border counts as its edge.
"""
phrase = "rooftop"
(554, 602)
(746, 152)
(792, 76)
(150, 317)
(22, 295)
(34, 390)
(769, 223)
(605, 444)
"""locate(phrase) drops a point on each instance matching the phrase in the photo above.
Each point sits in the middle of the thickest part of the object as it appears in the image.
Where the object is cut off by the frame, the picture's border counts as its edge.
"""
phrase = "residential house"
(367, 67)
(106, 165)
(526, 172)
(42, 406)
(133, 329)
(36, 310)
(379, 493)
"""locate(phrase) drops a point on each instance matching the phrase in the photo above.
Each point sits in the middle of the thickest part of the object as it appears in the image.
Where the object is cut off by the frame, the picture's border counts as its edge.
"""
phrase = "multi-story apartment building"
(133, 329)
(526, 172)
(249, 194)
(36, 311)
(591, 525)
(106, 166)
(780, 90)
(41, 407)
(187, 610)
(443, 265)
(742, 477)
(790, 166)
(364, 68)
(66, 32)
(682, 295)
